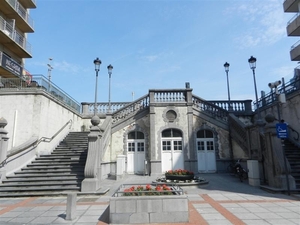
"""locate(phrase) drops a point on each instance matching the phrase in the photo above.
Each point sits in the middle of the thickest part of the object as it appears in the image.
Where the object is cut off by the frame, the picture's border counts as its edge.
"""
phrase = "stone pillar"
(120, 166)
(85, 108)
(92, 173)
(253, 174)
(274, 164)
(155, 161)
(71, 206)
(191, 154)
(3, 148)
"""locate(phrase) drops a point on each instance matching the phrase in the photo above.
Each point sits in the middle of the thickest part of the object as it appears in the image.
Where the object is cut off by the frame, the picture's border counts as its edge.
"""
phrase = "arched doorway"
(135, 152)
(206, 151)
(172, 155)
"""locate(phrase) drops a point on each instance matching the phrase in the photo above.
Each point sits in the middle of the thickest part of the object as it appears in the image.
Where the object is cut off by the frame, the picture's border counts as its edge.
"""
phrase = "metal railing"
(21, 11)
(8, 28)
(34, 143)
(292, 19)
(295, 45)
(42, 83)
(286, 88)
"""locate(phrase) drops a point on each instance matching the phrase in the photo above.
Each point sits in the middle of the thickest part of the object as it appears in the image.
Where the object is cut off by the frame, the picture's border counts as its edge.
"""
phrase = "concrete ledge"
(148, 209)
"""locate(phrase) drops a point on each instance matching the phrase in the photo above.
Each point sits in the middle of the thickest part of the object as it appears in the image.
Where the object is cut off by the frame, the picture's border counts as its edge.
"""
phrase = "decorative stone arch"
(171, 126)
(136, 127)
(204, 126)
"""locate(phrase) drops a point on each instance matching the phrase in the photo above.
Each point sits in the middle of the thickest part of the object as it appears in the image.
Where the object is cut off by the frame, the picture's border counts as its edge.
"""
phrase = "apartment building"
(15, 24)
(293, 26)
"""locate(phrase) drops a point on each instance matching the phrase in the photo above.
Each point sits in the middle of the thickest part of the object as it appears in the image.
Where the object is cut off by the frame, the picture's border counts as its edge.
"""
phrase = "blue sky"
(161, 44)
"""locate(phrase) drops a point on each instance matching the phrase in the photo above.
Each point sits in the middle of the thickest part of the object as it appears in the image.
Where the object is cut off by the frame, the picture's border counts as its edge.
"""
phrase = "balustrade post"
(248, 106)
(151, 97)
(85, 108)
(189, 96)
(92, 170)
(3, 148)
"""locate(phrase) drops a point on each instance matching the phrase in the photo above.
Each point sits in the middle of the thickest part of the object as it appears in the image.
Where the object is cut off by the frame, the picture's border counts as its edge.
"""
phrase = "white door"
(206, 152)
(172, 156)
(135, 153)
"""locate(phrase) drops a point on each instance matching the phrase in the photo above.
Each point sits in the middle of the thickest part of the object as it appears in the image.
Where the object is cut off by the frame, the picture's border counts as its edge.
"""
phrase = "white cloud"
(264, 22)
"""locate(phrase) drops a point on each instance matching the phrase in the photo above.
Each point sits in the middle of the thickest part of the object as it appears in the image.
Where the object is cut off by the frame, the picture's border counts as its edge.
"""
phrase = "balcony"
(291, 5)
(295, 51)
(14, 10)
(14, 40)
(30, 4)
(293, 26)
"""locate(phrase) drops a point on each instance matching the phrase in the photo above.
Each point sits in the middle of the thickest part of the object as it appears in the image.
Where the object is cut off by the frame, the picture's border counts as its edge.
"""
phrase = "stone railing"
(172, 95)
(238, 132)
(102, 107)
(131, 109)
(209, 108)
(237, 107)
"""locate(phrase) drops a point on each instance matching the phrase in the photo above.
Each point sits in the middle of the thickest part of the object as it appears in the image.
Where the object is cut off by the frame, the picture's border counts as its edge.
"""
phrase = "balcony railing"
(8, 28)
(38, 82)
(295, 45)
(292, 19)
(21, 11)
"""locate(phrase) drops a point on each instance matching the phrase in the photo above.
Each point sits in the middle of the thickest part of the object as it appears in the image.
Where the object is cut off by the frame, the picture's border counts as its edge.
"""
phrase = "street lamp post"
(252, 64)
(97, 63)
(109, 68)
(226, 66)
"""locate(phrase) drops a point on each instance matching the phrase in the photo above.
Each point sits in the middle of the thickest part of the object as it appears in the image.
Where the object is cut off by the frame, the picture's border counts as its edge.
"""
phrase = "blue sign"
(281, 129)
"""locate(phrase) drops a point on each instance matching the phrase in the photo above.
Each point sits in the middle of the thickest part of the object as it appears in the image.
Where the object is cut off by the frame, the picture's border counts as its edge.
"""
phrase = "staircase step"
(40, 183)
(51, 169)
(50, 172)
(59, 172)
(54, 188)
(40, 179)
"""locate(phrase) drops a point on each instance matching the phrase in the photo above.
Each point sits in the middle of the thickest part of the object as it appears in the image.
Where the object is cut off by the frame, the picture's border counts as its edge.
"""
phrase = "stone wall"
(36, 114)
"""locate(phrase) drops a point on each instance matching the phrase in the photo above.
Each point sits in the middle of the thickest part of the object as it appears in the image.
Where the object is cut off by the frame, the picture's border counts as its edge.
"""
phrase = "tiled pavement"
(224, 200)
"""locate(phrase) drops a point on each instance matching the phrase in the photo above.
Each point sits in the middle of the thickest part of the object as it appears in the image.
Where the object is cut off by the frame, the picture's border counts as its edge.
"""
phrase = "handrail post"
(3, 148)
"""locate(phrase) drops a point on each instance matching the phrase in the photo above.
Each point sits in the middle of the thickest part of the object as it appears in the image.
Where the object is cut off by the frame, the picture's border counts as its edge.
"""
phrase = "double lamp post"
(97, 63)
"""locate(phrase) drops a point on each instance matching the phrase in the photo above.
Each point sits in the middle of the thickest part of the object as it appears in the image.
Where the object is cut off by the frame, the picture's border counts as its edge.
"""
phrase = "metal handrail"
(46, 139)
(36, 143)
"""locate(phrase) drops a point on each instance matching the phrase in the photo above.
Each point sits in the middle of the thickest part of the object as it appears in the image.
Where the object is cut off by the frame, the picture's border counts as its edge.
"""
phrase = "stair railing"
(238, 131)
(292, 138)
(32, 142)
(46, 139)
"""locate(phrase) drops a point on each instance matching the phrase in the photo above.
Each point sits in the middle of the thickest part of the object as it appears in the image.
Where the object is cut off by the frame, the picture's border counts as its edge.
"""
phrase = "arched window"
(205, 134)
(135, 135)
(171, 133)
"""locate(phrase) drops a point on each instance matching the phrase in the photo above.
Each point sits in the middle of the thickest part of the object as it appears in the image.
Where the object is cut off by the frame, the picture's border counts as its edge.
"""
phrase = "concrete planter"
(179, 177)
(148, 209)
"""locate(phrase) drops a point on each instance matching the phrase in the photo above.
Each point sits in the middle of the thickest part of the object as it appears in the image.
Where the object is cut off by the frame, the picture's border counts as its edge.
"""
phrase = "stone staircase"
(60, 172)
(293, 155)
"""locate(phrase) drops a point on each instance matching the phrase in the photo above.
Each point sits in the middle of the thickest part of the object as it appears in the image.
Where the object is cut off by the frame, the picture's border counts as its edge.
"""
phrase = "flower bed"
(147, 190)
(155, 203)
(179, 174)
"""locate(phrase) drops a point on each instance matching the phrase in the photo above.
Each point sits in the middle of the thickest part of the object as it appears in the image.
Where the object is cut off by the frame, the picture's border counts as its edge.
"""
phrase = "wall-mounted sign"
(11, 65)
(282, 131)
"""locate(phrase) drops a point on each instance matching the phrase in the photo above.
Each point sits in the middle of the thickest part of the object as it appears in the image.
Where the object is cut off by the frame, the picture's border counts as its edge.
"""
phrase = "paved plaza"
(224, 200)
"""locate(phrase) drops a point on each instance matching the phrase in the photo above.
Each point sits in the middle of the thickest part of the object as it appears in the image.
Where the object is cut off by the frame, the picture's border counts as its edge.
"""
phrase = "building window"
(135, 135)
